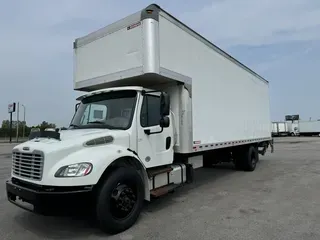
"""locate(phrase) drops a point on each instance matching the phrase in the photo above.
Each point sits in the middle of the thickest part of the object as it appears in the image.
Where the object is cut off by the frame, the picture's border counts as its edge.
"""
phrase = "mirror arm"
(148, 131)
(76, 107)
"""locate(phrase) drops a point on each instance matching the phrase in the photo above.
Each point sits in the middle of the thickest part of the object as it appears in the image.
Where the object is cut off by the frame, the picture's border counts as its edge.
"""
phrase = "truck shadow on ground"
(44, 227)
(74, 227)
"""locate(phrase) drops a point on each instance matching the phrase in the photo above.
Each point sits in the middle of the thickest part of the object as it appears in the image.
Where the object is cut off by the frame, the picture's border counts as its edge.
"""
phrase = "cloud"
(252, 22)
(278, 39)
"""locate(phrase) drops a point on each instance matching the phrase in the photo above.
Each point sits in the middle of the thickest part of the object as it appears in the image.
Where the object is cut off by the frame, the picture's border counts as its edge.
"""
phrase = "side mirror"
(164, 104)
(76, 107)
(165, 122)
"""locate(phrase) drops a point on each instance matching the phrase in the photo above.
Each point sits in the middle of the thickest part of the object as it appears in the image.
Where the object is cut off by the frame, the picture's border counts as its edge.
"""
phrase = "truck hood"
(71, 140)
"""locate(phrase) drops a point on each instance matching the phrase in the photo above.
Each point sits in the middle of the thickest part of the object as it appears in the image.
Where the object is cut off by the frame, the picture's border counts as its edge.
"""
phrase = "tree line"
(5, 128)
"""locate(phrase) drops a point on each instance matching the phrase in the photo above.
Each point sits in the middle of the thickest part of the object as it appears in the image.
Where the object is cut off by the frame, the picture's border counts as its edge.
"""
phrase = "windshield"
(112, 110)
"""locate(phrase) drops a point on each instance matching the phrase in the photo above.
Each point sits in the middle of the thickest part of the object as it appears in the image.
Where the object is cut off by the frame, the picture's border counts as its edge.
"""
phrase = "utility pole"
(10, 127)
(24, 120)
(18, 122)
(11, 109)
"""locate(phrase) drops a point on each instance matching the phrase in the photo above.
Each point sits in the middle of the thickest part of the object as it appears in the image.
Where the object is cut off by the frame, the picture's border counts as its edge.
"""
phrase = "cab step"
(159, 170)
(163, 190)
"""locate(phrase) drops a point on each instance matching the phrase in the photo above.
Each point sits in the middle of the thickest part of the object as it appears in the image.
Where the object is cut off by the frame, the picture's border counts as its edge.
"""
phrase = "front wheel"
(120, 200)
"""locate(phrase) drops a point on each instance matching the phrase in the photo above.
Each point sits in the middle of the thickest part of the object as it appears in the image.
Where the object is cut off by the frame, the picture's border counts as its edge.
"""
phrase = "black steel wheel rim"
(123, 200)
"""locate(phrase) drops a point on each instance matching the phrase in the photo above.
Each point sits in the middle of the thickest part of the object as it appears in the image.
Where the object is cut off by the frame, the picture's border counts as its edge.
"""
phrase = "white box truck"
(309, 128)
(160, 101)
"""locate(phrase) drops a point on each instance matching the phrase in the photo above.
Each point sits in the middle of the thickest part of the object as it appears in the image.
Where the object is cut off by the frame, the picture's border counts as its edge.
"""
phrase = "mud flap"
(271, 146)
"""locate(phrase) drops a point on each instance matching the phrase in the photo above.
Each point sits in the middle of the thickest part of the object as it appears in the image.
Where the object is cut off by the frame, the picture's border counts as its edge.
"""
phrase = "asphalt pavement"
(280, 200)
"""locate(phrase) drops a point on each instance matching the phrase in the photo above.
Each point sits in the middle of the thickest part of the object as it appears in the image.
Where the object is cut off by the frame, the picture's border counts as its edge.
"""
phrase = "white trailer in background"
(161, 101)
(309, 128)
(280, 129)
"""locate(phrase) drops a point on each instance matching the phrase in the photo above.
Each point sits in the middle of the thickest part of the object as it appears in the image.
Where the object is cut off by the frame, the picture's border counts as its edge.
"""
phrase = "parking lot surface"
(279, 200)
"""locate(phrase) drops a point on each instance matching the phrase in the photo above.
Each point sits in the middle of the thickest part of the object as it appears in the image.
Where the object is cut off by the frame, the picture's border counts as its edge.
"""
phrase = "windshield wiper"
(102, 123)
(74, 125)
(99, 122)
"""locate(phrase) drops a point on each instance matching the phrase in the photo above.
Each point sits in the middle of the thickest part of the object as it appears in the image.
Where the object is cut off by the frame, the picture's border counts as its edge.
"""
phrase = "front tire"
(120, 200)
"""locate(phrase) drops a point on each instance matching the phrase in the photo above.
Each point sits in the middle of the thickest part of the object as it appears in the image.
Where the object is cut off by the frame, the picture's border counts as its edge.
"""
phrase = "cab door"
(155, 144)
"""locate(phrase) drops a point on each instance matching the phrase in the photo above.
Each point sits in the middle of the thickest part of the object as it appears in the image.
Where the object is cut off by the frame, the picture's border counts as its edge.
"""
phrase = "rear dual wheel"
(246, 158)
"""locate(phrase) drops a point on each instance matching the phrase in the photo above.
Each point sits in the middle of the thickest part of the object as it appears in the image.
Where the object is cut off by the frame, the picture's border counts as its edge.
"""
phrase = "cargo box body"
(228, 103)
(109, 54)
(274, 127)
(309, 127)
(280, 128)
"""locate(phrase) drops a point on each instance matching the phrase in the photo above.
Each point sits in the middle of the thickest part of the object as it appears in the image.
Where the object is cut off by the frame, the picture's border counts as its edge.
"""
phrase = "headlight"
(74, 170)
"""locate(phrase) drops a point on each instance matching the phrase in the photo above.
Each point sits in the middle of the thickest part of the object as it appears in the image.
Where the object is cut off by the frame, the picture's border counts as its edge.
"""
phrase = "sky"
(280, 40)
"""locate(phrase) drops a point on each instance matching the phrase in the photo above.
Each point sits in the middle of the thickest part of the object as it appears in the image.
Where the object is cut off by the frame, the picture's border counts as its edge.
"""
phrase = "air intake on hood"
(45, 134)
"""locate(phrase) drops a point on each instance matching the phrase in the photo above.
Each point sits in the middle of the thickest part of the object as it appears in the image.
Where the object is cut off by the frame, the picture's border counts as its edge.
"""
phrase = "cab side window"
(150, 111)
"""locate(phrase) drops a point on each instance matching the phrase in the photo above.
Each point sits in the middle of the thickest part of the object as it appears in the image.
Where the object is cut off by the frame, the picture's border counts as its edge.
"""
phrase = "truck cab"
(121, 127)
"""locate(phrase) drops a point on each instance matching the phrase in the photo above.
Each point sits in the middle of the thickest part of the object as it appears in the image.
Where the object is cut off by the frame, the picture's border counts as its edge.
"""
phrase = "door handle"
(168, 142)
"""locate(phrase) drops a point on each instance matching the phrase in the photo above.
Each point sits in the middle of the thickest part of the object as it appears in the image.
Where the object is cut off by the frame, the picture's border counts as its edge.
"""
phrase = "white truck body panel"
(309, 127)
(283, 127)
(289, 126)
(280, 127)
(293, 127)
(98, 57)
(274, 127)
(102, 57)
(228, 103)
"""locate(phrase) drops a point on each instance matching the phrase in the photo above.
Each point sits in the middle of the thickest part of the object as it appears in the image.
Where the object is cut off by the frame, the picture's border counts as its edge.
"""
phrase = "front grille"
(28, 165)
